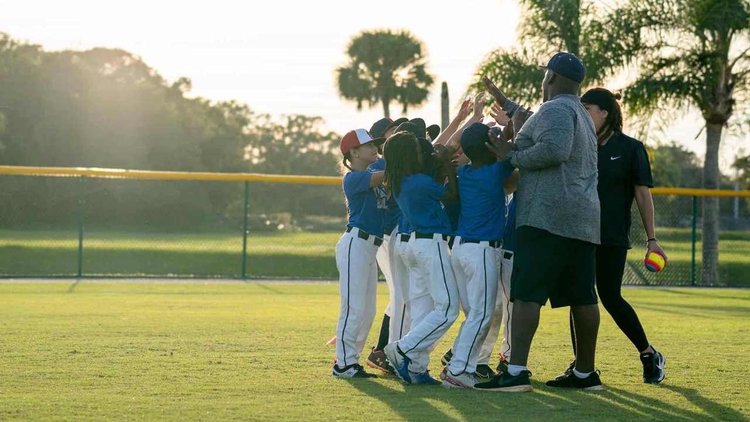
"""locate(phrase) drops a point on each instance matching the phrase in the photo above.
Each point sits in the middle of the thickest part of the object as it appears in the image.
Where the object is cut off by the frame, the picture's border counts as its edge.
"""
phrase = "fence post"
(244, 231)
(81, 219)
(695, 238)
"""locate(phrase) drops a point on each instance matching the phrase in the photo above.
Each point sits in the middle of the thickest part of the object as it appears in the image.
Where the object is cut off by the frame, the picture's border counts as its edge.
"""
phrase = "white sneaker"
(464, 380)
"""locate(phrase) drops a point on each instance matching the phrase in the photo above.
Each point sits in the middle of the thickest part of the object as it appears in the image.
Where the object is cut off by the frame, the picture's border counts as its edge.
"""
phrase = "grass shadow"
(417, 403)
(73, 286)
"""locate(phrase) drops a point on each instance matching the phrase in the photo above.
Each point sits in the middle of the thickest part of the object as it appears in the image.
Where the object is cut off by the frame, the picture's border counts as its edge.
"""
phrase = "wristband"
(653, 239)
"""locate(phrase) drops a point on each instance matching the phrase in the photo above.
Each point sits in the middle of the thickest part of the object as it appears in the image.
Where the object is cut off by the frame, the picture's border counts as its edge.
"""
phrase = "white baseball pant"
(433, 300)
(358, 284)
(502, 314)
(475, 265)
(401, 254)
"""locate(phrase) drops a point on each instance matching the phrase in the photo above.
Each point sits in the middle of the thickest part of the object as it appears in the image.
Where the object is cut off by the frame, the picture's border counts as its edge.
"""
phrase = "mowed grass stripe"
(257, 352)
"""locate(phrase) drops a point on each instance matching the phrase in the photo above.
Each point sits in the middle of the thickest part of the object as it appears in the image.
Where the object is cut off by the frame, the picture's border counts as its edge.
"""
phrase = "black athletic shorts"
(548, 266)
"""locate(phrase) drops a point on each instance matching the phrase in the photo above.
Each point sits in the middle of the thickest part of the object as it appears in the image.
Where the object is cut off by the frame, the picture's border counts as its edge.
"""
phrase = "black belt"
(364, 235)
(493, 243)
(405, 237)
(507, 255)
(430, 236)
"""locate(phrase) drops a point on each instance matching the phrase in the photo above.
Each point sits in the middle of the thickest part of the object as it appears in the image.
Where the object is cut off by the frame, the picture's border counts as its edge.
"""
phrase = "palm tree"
(383, 67)
(692, 54)
(547, 27)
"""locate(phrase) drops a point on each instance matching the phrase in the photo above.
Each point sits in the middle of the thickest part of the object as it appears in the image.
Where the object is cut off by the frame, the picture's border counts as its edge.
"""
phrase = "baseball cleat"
(507, 383)
(591, 382)
(351, 371)
(423, 378)
(653, 367)
(377, 360)
(398, 361)
(465, 380)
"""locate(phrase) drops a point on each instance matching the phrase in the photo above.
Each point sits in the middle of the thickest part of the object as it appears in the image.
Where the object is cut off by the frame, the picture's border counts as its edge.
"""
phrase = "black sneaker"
(592, 382)
(351, 371)
(484, 373)
(502, 365)
(653, 367)
(568, 370)
(507, 382)
(446, 359)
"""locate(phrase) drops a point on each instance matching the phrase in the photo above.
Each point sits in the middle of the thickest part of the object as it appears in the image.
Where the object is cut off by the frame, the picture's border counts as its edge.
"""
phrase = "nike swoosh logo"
(615, 158)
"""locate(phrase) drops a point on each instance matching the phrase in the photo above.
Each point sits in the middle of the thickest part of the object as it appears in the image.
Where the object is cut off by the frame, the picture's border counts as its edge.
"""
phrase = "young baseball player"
(475, 255)
(395, 318)
(355, 252)
(433, 293)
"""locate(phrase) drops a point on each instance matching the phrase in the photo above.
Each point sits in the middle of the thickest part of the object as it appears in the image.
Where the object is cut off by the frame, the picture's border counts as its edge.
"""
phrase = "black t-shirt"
(623, 165)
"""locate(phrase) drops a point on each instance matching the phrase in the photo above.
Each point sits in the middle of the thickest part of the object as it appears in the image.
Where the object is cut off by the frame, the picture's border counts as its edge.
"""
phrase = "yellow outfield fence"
(267, 178)
(101, 222)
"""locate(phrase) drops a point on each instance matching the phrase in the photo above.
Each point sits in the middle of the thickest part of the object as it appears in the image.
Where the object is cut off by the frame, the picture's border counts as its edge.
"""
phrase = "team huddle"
(492, 219)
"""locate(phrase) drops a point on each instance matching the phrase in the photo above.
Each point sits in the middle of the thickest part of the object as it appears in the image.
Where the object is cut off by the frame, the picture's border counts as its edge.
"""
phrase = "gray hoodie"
(557, 162)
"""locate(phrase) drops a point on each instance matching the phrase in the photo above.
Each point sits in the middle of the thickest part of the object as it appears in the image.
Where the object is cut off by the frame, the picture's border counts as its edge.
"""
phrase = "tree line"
(108, 108)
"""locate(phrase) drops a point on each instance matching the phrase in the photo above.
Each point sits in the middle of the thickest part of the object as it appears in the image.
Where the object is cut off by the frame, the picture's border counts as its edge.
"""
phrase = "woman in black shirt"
(624, 175)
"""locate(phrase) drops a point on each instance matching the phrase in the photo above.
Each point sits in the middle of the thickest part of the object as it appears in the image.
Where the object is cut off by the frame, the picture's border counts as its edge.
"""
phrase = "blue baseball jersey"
(365, 204)
(482, 201)
(403, 225)
(453, 209)
(419, 201)
(509, 235)
(392, 215)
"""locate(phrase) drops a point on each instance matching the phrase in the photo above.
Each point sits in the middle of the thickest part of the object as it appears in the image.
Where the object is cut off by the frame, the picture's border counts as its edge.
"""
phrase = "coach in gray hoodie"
(558, 224)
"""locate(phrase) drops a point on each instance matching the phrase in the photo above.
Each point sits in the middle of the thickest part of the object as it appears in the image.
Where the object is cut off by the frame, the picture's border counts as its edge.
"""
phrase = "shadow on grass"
(418, 403)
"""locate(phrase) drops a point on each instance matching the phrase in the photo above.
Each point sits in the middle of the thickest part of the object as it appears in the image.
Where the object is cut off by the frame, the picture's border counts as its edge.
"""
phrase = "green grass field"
(302, 255)
(236, 351)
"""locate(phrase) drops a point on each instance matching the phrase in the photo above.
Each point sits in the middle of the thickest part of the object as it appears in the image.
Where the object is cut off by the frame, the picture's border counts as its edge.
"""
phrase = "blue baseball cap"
(567, 65)
(475, 136)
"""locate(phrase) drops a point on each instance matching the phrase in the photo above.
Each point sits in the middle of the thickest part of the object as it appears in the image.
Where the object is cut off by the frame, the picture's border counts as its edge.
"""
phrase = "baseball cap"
(379, 128)
(475, 136)
(355, 138)
(434, 131)
(421, 125)
(567, 65)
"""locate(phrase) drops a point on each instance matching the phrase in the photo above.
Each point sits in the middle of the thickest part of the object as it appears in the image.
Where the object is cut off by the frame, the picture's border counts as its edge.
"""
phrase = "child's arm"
(462, 114)
(377, 178)
(511, 183)
(446, 171)
(454, 143)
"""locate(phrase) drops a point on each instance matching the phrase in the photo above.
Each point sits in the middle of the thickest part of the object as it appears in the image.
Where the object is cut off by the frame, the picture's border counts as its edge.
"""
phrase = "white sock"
(516, 369)
(580, 374)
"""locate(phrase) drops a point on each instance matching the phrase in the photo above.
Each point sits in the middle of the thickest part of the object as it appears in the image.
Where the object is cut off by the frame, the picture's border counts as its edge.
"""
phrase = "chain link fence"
(85, 226)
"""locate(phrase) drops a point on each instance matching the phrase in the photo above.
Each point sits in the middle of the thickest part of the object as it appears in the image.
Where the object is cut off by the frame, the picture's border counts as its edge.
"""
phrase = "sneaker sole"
(514, 389)
(450, 382)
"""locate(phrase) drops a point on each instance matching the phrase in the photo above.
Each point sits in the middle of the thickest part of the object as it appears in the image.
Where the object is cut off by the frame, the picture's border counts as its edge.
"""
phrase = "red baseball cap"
(357, 137)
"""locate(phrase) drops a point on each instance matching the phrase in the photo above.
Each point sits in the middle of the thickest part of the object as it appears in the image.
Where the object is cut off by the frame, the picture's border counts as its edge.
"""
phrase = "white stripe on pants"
(503, 313)
(400, 323)
(358, 284)
(433, 313)
(476, 270)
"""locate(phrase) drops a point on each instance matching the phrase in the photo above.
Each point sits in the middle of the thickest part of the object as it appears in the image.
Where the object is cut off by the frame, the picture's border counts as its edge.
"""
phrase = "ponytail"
(345, 164)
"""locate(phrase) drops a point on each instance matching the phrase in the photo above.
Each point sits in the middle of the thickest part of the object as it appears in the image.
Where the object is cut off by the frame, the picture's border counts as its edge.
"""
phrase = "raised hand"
(463, 112)
(479, 106)
(494, 91)
(499, 144)
(499, 115)
(520, 117)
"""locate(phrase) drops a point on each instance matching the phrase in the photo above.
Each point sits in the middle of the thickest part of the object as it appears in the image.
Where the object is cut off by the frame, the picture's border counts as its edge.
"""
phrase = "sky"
(279, 57)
